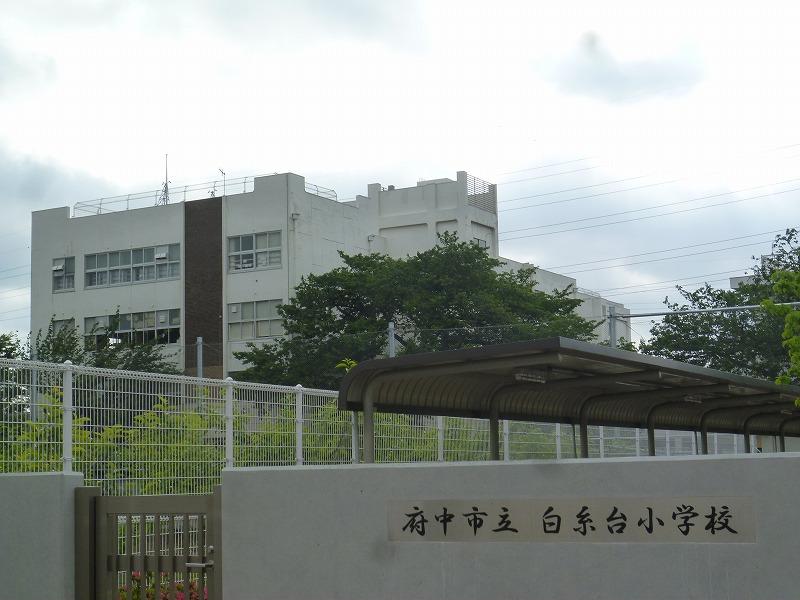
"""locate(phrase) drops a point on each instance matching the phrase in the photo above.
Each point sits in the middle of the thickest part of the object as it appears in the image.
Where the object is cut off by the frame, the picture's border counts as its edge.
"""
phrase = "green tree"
(103, 348)
(451, 296)
(786, 285)
(745, 342)
(10, 346)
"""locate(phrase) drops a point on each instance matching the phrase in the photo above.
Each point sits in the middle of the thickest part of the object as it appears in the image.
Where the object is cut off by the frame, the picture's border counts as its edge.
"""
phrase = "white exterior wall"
(593, 307)
(407, 220)
(263, 209)
(313, 231)
(56, 235)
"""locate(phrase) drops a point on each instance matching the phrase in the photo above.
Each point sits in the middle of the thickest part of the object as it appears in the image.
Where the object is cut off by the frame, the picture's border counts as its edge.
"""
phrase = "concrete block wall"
(37, 536)
(321, 532)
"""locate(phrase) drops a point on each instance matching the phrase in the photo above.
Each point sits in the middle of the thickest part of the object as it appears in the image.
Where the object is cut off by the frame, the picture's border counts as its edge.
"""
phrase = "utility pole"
(612, 326)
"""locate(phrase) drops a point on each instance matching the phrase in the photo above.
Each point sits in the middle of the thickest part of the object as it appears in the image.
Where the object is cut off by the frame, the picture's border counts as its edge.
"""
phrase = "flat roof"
(560, 380)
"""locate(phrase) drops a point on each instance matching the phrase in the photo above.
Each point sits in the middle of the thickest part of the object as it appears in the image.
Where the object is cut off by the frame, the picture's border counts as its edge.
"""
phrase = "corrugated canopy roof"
(566, 381)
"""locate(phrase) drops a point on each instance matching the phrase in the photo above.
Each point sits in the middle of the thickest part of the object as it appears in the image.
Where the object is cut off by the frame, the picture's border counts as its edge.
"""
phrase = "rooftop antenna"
(224, 183)
(163, 199)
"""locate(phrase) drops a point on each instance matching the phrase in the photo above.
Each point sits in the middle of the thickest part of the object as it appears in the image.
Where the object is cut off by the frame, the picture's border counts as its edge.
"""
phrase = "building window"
(123, 267)
(480, 243)
(250, 320)
(62, 324)
(151, 327)
(64, 274)
(254, 251)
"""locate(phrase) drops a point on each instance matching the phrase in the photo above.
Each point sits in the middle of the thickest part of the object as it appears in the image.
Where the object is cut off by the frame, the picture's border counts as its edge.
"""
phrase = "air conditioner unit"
(234, 309)
(161, 255)
(58, 267)
(162, 318)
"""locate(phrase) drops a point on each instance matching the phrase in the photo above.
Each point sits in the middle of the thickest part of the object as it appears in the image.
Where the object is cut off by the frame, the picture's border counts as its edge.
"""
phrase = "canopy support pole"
(651, 441)
(584, 439)
(782, 430)
(494, 435)
(369, 428)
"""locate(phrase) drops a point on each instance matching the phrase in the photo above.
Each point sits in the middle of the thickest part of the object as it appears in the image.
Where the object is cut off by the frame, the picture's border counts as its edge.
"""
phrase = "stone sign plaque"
(674, 520)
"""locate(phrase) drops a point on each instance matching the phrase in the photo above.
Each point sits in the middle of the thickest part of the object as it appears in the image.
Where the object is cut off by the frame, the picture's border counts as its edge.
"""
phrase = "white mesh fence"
(143, 433)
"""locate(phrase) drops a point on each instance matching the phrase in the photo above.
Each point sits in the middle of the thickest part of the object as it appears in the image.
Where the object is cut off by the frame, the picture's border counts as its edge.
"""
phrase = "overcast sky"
(683, 104)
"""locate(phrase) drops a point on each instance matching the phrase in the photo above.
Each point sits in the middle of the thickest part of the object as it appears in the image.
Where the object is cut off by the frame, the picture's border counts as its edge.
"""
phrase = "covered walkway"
(560, 380)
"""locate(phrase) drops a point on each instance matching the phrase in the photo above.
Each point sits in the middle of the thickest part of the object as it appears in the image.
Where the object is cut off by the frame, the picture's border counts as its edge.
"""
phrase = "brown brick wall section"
(203, 284)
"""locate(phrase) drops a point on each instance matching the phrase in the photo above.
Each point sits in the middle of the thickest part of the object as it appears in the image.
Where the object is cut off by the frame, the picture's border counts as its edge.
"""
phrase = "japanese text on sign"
(630, 520)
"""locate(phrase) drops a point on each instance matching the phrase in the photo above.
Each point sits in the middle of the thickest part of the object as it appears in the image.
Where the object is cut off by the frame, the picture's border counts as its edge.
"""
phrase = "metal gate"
(160, 547)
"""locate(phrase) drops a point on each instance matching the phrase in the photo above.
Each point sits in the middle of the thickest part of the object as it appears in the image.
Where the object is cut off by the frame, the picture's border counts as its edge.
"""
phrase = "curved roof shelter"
(560, 380)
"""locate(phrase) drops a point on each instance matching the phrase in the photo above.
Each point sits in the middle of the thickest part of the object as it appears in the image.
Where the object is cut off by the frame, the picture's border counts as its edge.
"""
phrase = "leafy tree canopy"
(745, 342)
(10, 346)
(787, 284)
(451, 296)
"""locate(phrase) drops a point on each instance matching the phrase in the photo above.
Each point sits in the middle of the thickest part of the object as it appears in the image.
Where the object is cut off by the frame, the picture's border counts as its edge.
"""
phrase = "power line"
(768, 150)
(24, 287)
(575, 189)
(14, 276)
(549, 175)
(653, 207)
(670, 287)
(642, 285)
(15, 268)
(591, 262)
(674, 212)
(555, 164)
(652, 260)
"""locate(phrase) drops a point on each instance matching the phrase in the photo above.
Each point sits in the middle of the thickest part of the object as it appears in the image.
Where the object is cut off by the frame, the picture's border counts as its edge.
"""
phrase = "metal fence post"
(440, 438)
(298, 424)
(199, 357)
(229, 422)
(637, 437)
(66, 388)
(558, 440)
(506, 444)
(354, 437)
(601, 435)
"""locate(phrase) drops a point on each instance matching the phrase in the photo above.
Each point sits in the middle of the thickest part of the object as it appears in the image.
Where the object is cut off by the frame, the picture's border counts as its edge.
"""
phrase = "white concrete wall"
(407, 220)
(56, 235)
(593, 306)
(37, 535)
(313, 230)
(321, 532)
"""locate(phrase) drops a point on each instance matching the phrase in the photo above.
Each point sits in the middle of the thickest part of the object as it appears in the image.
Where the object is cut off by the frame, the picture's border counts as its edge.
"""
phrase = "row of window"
(246, 321)
(250, 320)
(254, 251)
(245, 252)
(132, 266)
(158, 326)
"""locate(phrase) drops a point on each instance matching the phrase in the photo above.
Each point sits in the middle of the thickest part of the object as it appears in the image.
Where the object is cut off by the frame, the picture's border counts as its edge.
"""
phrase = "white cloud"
(593, 71)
